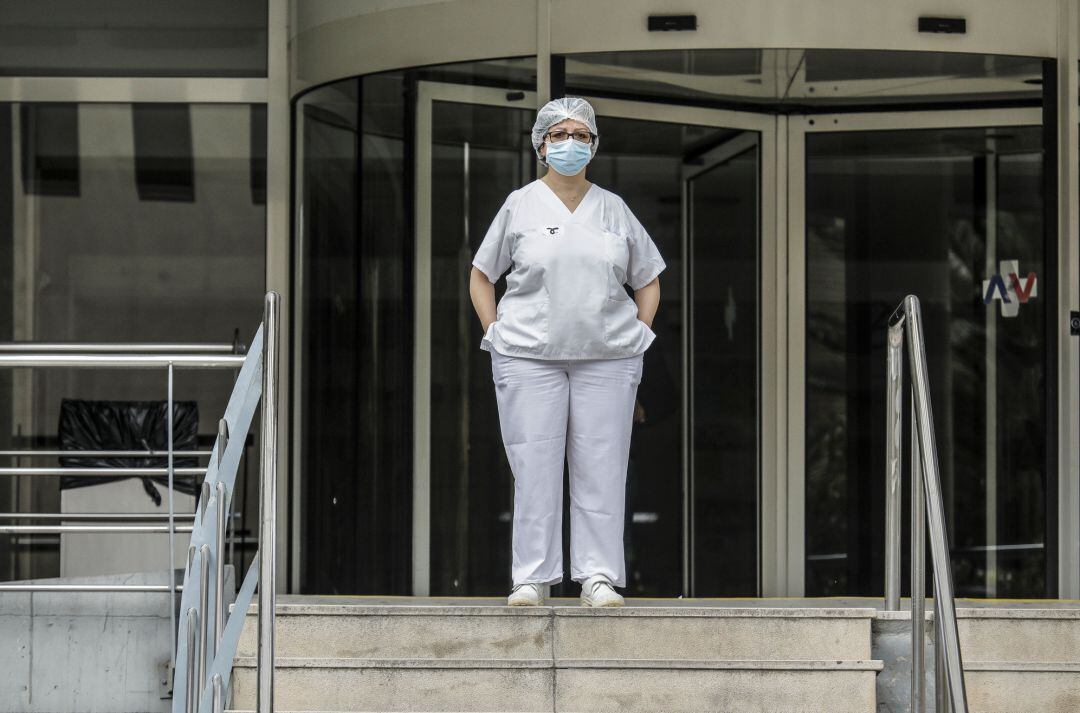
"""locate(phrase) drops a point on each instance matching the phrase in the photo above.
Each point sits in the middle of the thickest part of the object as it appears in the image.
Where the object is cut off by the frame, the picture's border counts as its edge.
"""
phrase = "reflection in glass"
(767, 78)
(479, 155)
(723, 202)
(355, 190)
(933, 213)
(355, 358)
(94, 250)
(651, 165)
(642, 162)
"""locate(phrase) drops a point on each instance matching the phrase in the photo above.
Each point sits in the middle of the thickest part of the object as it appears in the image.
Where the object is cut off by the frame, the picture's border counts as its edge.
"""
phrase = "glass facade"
(360, 153)
(398, 175)
(479, 154)
(354, 238)
(357, 259)
(128, 221)
(122, 223)
(948, 215)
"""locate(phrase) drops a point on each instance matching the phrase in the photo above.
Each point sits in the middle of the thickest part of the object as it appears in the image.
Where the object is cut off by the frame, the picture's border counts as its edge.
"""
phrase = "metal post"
(204, 500)
(192, 632)
(219, 566)
(941, 685)
(264, 702)
(918, 576)
(218, 695)
(935, 512)
(173, 604)
(894, 404)
(219, 539)
(223, 440)
(204, 608)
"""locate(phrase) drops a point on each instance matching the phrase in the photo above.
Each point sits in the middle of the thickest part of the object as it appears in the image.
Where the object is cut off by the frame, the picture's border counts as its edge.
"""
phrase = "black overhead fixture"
(943, 25)
(672, 23)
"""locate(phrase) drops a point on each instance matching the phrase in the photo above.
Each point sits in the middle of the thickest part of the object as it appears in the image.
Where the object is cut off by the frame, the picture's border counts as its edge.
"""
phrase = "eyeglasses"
(585, 137)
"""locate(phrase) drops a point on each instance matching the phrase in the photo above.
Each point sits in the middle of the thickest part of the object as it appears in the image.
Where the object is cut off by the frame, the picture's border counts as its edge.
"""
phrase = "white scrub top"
(564, 297)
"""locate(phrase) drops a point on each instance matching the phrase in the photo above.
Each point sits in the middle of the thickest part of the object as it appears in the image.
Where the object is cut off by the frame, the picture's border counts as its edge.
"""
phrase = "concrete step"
(1019, 635)
(356, 657)
(623, 686)
(1016, 658)
(499, 632)
(782, 656)
(402, 632)
(1021, 659)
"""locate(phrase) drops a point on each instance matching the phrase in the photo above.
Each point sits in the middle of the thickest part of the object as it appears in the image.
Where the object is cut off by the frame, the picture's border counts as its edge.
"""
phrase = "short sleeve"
(645, 260)
(493, 255)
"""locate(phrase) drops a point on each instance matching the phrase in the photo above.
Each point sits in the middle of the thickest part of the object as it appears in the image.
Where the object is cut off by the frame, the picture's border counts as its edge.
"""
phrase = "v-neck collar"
(554, 198)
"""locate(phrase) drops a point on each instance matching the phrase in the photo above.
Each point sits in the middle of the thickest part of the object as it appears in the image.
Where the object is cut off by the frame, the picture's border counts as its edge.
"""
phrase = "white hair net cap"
(558, 110)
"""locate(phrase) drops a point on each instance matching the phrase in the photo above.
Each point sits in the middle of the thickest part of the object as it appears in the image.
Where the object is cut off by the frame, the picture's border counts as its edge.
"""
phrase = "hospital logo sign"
(1010, 289)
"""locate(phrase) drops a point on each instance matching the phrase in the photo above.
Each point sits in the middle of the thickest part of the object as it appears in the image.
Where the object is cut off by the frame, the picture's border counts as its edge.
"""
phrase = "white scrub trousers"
(583, 410)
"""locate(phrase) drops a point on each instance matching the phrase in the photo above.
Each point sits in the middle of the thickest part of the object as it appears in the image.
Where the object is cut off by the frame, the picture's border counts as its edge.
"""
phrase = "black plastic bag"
(128, 426)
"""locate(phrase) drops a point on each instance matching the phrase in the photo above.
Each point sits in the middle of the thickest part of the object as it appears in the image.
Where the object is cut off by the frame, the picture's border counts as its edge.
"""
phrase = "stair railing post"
(219, 565)
(218, 699)
(204, 621)
(918, 576)
(935, 511)
(190, 704)
(173, 603)
(894, 404)
(941, 683)
(268, 507)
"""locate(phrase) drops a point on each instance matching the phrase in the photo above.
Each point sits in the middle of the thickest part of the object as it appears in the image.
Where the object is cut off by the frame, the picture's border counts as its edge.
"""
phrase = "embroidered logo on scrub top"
(553, 231)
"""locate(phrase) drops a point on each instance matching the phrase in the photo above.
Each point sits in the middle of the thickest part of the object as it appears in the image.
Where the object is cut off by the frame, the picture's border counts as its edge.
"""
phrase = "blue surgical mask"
(568, 157)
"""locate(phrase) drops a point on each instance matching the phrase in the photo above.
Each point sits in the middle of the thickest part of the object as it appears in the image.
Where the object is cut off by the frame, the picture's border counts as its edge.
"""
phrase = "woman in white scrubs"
(566, 344)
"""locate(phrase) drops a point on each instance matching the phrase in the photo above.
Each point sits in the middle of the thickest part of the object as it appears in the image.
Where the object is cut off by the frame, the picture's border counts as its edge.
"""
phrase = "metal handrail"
(168, 357)
(91, 529)
(104, 454)
(128, 348)
(123, 361)
(94, 588)
(95, 516)
(264, 701)
(104, 472)
(927, 513)
(205, 653)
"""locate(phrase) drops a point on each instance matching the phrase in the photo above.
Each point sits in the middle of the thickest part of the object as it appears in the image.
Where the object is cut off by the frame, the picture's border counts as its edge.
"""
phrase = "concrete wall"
(87, 652)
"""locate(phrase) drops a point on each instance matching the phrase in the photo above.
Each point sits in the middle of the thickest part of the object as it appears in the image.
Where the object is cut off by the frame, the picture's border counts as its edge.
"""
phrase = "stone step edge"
(248, 662)
(569, 611)
(987, 613)
(1023, 666)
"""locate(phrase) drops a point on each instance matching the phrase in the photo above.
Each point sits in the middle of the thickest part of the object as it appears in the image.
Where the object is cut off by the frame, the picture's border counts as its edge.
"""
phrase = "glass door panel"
(479, 154)
(956, 217)
(723, 209)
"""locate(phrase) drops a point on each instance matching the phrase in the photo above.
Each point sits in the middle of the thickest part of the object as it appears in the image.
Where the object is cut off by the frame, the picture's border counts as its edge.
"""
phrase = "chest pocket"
(531, 254)
(618, 256)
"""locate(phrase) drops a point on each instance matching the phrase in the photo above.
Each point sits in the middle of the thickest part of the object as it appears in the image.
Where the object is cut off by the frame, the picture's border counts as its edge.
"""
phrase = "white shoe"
(528, 595)
(596, 591)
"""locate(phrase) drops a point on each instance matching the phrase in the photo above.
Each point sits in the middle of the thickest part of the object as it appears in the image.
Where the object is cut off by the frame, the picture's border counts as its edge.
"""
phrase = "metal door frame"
(773, 500)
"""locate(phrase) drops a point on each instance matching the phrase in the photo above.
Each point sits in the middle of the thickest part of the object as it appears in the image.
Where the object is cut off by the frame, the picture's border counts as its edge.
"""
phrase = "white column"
(543, 52)
(278, 122)
(1068, 299)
